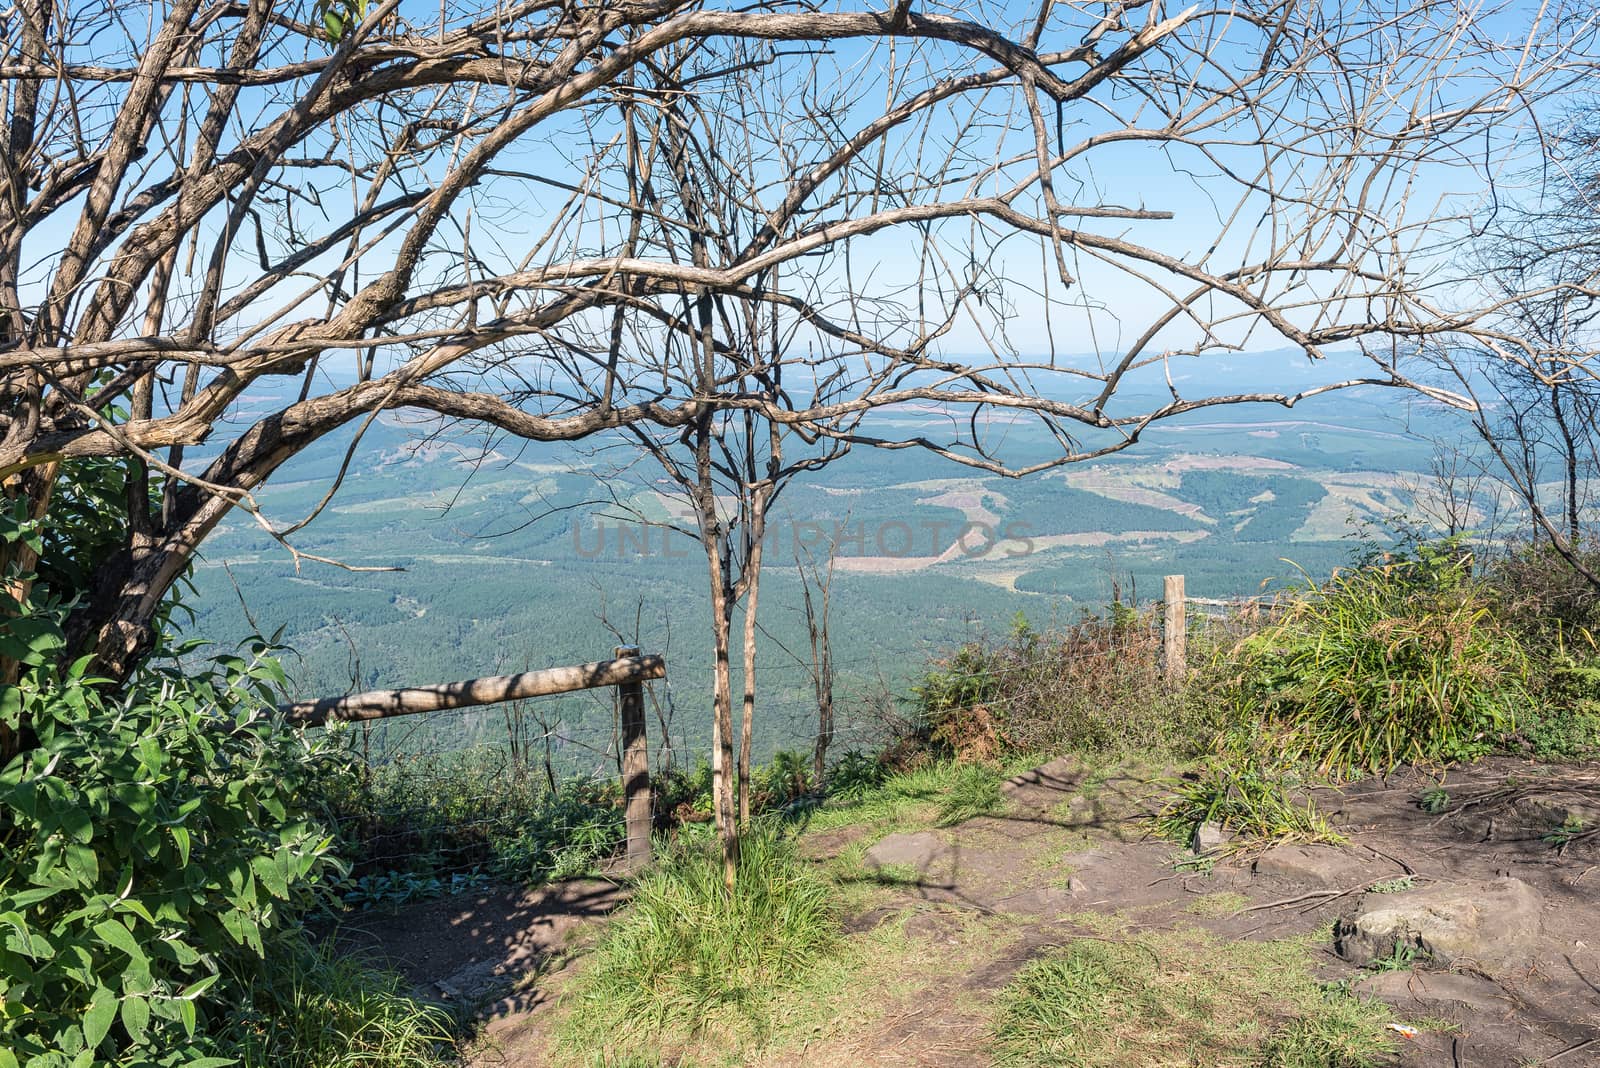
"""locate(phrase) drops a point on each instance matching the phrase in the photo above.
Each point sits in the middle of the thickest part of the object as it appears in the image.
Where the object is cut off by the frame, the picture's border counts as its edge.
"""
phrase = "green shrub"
(1565, 723)
(855, 775)
(688, 955)
(956, 701)
(1095, 687)
(1383, 664)
(1542, 596)
(435, 816)
(158, 840)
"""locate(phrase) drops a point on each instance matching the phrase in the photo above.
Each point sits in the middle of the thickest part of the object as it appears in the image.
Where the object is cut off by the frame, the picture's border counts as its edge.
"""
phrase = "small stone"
(1209, 837)
(1492, 926)
(1076, 886)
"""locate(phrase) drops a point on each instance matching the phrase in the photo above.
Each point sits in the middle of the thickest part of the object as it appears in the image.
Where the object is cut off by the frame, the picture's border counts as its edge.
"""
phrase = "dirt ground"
(1073, 846)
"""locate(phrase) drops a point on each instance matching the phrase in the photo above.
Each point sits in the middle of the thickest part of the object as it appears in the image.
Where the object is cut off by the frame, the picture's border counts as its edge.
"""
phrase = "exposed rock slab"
(921, 850)
(1045, 785)
(1313, 865)
(1437, 991)
(1491, 926)
(1041, 900)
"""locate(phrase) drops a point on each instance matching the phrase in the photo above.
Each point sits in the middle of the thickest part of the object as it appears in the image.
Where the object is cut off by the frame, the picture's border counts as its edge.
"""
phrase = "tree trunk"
(714, 539)
(1570, 460)
(722, 759)
(747, 717)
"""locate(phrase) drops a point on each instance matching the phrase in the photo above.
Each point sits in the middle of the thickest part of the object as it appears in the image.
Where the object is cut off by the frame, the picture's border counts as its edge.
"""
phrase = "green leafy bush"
(1565, 723)
(956, 701)
(855, 775)
(1385, 663)
(160, 839)
(157, 841)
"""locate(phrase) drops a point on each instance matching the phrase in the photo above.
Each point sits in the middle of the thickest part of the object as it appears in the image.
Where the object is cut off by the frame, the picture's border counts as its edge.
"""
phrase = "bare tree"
(226, 232)
(1532, 371)
(1456, 496)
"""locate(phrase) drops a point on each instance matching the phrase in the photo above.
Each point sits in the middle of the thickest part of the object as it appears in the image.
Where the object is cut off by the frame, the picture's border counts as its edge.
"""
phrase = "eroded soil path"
(1069, 857)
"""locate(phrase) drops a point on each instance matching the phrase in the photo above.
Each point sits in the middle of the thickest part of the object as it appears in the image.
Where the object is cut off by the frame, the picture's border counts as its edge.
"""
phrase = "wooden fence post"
(1174, 629)
(635, 767)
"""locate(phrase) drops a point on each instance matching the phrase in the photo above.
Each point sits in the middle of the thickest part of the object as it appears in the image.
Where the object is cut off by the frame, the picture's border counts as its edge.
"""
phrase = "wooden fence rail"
(628, 672)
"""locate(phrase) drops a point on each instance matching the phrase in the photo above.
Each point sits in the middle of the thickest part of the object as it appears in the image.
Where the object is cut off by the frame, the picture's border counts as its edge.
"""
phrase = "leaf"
(97, 1021)
(79, 824)
(271, 876)
(83, 863)
(333, 22)
(136, 1017)
(113, 933)
(10, 704)
(31, 897)
(30, 639)
(180, 837)
(199, 986)
(186, 1015)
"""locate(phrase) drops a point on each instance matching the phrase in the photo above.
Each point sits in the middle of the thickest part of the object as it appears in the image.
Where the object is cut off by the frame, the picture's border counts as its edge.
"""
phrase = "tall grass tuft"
(1384, 664)
(973, 791)
(1246, 798)
(688, 956)
(318, 1010)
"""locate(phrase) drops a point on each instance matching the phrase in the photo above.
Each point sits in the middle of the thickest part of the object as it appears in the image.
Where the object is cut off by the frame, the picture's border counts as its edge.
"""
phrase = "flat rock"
(1086, 858)
(1491, 926)
(1432, 991)
(920, 851)
(1044, 785)
(1040, 901)
(1312, 865)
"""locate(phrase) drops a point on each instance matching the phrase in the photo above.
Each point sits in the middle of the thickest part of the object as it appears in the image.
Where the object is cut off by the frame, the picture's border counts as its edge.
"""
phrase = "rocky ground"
(1477, 921)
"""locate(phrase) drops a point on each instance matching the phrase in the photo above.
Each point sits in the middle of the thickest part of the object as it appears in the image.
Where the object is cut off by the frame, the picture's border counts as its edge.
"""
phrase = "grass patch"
(329, 1011)
(1246, 798)
(1181, 999)
(904, 799)
(688, 958)
(1223, 903)
(973, 792)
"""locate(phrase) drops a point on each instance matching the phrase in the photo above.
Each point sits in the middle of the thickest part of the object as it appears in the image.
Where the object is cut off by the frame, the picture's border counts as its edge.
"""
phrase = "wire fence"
(530, 789)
